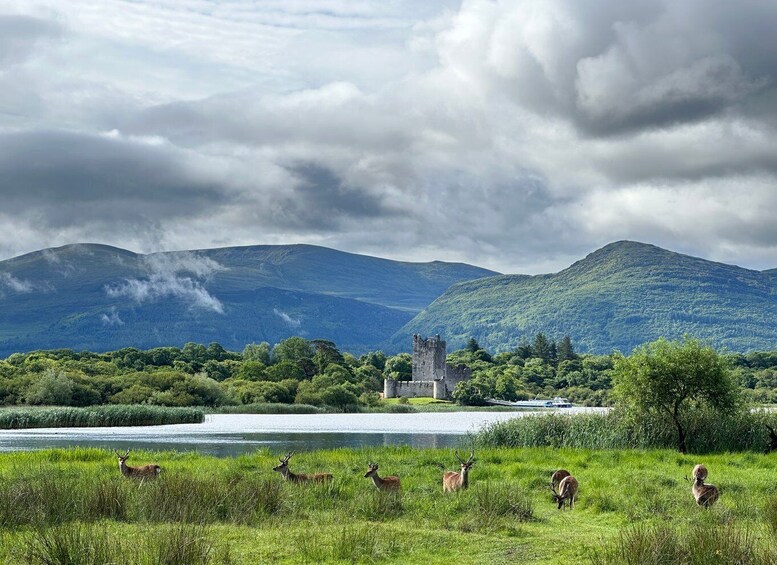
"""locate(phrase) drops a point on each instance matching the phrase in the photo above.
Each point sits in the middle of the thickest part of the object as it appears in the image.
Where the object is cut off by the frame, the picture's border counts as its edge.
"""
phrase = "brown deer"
(452, 481)
(705, 495)
(567, 491)
(144, 472)
(557, 477)
(283, 469)
(386, 483)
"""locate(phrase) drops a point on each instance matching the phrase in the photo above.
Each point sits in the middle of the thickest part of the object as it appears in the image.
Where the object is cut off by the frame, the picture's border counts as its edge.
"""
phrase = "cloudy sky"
(517, 135)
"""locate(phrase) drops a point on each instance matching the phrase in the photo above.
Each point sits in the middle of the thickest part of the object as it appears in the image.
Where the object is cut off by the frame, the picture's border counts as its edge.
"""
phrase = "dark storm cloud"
(321, 200)
(67, 178)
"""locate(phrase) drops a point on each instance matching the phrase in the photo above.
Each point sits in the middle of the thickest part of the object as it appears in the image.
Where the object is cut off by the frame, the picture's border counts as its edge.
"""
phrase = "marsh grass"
(97, 416)
(699, 545)
(57, 499)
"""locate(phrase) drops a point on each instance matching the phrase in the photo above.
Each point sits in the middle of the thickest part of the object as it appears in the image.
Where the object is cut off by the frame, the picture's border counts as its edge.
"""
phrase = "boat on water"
(557, 402)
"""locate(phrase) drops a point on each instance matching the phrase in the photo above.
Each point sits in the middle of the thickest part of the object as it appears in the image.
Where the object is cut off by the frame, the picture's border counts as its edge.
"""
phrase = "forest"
(315, 372)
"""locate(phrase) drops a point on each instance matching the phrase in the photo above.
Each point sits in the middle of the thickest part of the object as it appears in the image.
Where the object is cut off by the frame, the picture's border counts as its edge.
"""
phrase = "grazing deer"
(283, 469)
(142, 473)
(567, 491)
(705, 495)
(452, 481)
(772, 440)
(557, 477)
(386, 483)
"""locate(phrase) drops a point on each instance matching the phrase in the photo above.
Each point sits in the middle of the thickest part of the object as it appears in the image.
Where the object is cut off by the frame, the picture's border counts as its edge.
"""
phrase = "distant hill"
(618, 297)
(97, 297)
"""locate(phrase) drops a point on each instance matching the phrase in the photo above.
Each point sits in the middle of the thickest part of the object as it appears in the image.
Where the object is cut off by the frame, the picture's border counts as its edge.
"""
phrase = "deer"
(705, 495)
(287, 475)
(567, 491)
(143, 472)
(384, 484)
(557, 477)
(452, 481)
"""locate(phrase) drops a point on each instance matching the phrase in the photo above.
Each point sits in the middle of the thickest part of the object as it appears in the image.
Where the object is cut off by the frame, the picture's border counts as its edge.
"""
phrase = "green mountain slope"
(98, 297)
(618, 297)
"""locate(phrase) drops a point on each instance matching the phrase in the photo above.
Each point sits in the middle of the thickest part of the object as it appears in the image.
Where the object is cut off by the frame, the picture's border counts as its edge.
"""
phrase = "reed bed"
(707, 432)
(98, 416)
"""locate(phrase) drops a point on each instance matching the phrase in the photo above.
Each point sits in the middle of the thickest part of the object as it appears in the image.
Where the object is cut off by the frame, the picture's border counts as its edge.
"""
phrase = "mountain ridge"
(617, 297)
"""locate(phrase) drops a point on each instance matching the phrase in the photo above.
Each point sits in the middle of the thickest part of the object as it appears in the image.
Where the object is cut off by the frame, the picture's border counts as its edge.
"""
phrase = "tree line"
(316, 372)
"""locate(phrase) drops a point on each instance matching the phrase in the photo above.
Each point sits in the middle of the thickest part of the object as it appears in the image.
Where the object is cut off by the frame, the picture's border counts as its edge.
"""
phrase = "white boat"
(557, 402)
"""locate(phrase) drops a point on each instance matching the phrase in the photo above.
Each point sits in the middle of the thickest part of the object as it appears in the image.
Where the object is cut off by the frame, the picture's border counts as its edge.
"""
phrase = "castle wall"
(408, 389)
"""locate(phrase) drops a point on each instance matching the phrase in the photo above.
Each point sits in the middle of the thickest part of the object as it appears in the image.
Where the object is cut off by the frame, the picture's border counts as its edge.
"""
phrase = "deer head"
(466, 466)
(284, 465)
(372, 469)
(122, 458)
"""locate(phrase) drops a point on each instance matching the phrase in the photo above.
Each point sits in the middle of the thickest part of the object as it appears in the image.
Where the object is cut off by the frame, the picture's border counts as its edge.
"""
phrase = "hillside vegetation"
(100, 298)
(618, 297)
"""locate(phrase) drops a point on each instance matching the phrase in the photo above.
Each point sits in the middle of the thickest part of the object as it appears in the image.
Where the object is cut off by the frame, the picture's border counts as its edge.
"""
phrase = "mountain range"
(96, 297)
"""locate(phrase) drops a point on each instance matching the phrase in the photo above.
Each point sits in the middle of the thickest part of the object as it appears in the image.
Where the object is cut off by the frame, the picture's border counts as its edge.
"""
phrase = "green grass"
(237, 510)
(97, 416)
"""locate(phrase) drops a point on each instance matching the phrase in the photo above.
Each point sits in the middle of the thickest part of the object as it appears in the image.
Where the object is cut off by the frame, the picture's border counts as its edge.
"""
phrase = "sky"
(515, 135)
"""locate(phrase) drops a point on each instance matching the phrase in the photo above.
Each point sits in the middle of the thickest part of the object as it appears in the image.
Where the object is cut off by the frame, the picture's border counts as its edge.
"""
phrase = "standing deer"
(452, 481)
(283, 469)
(705, 495)
(567, 491)
(142, 473)
(386, 483)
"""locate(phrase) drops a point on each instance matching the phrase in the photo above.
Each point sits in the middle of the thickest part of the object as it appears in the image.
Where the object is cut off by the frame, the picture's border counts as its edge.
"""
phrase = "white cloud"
(166, 280)
(10, 282)
(111, 319)
(292, 322)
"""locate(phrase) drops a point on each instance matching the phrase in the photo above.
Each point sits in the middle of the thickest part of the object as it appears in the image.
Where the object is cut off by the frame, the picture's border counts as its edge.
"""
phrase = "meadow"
(73, 506)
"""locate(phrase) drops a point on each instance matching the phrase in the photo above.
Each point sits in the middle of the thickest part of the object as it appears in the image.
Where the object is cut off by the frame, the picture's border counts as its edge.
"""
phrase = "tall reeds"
(98, 416)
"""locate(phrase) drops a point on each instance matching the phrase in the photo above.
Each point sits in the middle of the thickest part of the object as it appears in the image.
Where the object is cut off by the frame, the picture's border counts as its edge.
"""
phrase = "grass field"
(72, 506)
(18, 418)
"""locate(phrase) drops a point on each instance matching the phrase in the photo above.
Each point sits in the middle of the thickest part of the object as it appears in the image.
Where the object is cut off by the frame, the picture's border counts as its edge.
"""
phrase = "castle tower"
(428, 358)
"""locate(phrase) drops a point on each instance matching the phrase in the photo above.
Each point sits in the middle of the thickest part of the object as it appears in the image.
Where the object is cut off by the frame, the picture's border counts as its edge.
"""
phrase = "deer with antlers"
(143, 472)
(452, 481)
(557, 477)
(567, 489)
(705, 495)
(385, 483)
(283, 469)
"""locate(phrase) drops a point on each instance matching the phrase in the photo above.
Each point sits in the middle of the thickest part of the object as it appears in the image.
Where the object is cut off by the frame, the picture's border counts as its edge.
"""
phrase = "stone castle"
(432, 375)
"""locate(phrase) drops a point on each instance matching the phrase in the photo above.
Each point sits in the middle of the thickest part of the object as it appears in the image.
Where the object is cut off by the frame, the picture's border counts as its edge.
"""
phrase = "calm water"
(227, 435)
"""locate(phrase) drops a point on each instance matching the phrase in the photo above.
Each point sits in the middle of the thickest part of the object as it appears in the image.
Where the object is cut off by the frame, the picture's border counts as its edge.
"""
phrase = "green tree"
(565, 350)
(257, 352)
(294, 349)
(399, 367)
(472, 345)
(51, 388)
(541, 347)
(668, 379)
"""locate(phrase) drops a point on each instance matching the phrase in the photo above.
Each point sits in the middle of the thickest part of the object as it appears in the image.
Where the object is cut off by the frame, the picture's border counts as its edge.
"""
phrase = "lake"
(227, 435)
